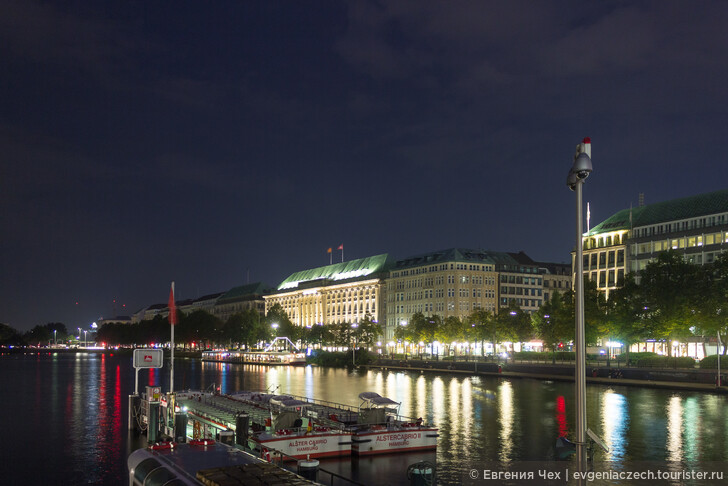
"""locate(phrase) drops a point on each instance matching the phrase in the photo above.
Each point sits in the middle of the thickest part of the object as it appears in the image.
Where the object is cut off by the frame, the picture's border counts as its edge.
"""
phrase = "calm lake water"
(65, 418)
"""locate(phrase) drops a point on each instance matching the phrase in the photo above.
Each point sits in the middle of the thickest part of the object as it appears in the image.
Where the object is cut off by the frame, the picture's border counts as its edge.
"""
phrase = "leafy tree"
(452, 330)
(626, 311)
(342, 334)
(712, 311)
(43, 334)
(595, 312)
(514, 323)
(199, 327)
(668, 286)
(233, 330)
(9, 336)
(404, 332)
(553, 322)
(484, 327)
(255, 329)
(276, 315)
(367, 331)
(318, 334)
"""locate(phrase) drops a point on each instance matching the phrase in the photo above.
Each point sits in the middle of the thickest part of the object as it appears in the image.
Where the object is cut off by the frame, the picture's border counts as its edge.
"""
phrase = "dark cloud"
(144, 144)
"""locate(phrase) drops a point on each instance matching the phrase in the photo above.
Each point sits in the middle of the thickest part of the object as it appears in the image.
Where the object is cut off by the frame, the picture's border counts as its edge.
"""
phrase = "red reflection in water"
(561, 416)
(117, 403)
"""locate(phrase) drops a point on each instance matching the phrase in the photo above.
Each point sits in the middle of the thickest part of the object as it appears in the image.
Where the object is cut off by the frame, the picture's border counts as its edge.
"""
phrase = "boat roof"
(376, 399)
(287, 401)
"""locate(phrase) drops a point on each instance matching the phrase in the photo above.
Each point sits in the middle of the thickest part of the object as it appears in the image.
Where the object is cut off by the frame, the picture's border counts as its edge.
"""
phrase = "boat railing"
(326, 403)
(277, 457)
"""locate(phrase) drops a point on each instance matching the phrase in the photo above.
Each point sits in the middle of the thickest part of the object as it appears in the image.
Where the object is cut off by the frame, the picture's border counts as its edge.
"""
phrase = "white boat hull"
(394, 440)
(310, 445)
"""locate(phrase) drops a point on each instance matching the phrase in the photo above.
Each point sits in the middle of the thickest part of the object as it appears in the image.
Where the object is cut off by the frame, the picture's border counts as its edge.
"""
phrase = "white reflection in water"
(421, 398)
(272, 380)
(505, 409)
(308, 381)
(691, 432)
(391, 386)
(674, 429)
(455, 416)
(455, 412)
(467, 414)
(398, 389)
(438, 400)
(615, 422)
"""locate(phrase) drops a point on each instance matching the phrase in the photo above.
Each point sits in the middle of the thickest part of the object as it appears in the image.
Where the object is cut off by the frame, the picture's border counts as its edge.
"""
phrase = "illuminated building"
(556, 278)
(241, 298)
(458, 281)
(627, 241)
(340, 293)
(520, 280)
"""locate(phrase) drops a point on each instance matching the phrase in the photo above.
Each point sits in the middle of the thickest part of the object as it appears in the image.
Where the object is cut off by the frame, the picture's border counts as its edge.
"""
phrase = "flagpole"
(172, 320)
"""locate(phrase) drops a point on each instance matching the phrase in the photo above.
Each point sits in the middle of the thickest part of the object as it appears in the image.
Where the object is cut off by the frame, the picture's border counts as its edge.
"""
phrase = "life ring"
(202, 442)
(265, 454)
(158, 446)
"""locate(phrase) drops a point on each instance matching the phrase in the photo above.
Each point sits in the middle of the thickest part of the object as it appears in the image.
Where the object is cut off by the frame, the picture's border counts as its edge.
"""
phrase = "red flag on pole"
(341, 247)
(172, 309)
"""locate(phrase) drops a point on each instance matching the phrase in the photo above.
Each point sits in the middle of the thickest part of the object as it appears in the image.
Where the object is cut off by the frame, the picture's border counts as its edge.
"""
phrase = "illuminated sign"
(148, 358)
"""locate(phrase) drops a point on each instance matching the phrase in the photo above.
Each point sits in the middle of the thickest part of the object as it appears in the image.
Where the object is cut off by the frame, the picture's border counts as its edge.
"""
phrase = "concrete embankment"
(676, 379)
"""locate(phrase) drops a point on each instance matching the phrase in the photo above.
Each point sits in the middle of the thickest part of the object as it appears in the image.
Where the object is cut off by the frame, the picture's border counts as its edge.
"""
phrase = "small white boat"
(280, 352)
(381, 430)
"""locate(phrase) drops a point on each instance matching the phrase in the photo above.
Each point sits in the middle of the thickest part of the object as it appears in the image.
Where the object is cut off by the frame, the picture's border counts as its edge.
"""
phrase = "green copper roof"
(239, 293)
(673, 210)
(338, 271)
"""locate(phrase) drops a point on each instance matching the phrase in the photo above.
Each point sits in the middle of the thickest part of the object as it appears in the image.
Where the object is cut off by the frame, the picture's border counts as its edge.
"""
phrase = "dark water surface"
(65, 418)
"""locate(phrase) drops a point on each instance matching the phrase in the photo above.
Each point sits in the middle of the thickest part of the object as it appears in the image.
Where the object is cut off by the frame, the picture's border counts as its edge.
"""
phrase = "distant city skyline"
(143, 144)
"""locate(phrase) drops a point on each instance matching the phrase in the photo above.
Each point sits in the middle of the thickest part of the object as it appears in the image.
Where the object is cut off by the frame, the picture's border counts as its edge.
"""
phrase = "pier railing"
(281, 459)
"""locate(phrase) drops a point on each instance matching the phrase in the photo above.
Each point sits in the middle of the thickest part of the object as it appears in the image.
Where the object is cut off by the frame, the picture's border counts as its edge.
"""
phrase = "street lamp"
(85, 333)
(580, 170)
(55, 337)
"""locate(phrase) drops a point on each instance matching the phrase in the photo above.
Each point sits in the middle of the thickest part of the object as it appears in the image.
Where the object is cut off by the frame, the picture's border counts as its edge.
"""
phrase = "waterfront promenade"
(666, 378)
(597, 373)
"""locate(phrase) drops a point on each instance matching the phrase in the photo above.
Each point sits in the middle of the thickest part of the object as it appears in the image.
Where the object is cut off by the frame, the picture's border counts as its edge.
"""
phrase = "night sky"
(212, 143)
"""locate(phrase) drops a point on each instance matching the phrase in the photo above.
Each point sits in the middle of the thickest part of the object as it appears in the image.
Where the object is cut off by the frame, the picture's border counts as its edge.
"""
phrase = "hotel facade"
(340, 293)
(627, 241)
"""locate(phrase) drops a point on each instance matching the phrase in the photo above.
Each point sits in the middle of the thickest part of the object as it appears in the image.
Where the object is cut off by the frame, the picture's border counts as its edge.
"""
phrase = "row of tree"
(672, 300)
(42, 334)
(248, 329)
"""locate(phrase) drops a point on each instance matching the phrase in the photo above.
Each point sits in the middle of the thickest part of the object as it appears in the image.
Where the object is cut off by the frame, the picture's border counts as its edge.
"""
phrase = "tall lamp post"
(575, 180)
(85, 338)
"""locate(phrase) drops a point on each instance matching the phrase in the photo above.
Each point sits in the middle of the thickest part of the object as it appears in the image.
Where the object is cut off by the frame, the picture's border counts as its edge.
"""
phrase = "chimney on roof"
(641, 199)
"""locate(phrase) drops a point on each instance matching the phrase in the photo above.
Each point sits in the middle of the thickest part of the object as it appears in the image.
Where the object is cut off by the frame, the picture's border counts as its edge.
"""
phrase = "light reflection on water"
(76, 405)
(615, 421)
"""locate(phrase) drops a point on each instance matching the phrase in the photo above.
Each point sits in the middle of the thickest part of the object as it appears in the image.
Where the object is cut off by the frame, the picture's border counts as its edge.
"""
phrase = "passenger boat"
(280, 352)
(300, 427)
(381, 430)
(376, 426)
(278, 423)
